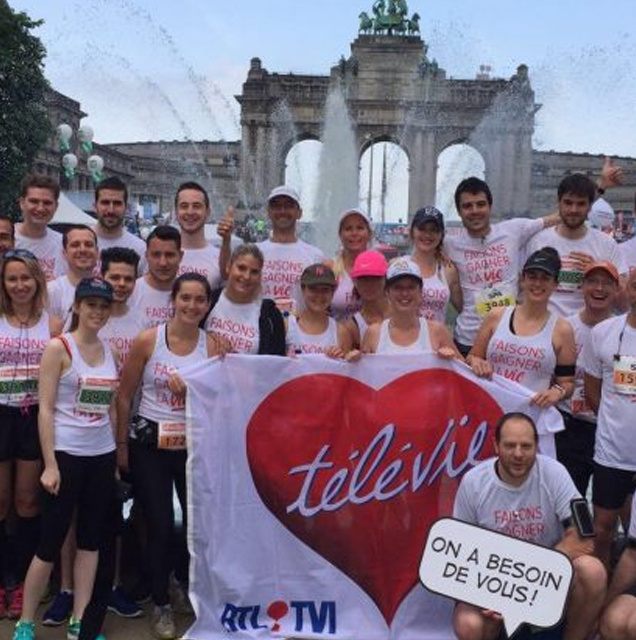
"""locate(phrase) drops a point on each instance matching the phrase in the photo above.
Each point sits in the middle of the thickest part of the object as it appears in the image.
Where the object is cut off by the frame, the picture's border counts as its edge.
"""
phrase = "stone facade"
(393, 92)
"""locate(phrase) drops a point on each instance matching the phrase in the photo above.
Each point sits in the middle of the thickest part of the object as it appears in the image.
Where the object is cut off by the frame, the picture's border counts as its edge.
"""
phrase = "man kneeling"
(527, 495)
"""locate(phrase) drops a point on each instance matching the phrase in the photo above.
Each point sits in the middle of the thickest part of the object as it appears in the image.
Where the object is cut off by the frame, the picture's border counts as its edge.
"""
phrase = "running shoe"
(121, 604)
(59, 611)
(24, 631)
(180, 598)
(15, 600)
(163, 623)
(73, 631)
(3, 603)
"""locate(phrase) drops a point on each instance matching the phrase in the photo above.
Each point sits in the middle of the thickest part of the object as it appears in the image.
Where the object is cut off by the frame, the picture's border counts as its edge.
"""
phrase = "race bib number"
(19, 385)
(171, 436)
(95, 395)
(491, 299)
(625, 375)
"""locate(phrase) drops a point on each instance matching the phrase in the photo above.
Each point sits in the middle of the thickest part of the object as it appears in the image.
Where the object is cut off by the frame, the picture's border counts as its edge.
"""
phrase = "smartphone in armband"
(582, 518)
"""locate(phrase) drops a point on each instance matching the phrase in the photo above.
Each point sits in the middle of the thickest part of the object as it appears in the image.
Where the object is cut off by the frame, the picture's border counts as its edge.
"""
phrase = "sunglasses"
(18, 253)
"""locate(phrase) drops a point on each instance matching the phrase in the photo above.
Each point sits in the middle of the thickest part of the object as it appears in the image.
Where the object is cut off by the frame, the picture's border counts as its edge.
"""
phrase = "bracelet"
(559, 388)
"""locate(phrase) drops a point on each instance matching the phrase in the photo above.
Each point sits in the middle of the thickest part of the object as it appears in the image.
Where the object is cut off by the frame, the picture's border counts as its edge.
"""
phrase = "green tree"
(24, 124)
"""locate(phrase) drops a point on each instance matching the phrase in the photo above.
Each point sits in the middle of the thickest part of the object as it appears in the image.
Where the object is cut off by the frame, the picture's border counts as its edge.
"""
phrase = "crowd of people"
(95, 325)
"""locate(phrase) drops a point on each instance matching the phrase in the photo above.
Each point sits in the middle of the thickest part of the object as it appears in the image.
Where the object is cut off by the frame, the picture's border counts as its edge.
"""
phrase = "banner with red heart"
(312, 484)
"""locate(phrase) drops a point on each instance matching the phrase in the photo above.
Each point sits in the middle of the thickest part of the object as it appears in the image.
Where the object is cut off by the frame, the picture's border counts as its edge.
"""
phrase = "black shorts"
(611, 486)
(19, 437)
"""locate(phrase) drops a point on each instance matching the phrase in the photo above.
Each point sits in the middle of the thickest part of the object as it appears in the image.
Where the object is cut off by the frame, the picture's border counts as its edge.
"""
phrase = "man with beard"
(578, 245)
(111, 199)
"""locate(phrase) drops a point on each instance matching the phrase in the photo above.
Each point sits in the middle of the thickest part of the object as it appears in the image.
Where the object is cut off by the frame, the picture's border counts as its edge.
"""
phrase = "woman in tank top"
(313, 330)
(527, 343)
(440, 280)
(24, 333)
(157, 439)
(239, 315)
(369, 280)
(77, 383)
(355, 235)
(405, 331)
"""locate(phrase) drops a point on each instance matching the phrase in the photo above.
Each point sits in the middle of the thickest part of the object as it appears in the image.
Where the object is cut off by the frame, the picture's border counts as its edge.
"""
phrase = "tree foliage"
(24, 124)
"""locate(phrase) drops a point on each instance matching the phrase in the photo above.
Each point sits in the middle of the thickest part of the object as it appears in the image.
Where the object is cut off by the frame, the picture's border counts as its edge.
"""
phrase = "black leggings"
(155, 472)
(88, 483)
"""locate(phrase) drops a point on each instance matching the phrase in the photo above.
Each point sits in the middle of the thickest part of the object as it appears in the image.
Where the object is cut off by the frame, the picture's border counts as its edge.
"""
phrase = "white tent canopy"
(70, 213)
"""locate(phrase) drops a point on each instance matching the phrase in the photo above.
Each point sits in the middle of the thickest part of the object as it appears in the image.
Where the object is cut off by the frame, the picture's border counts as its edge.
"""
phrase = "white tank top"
(344, 303)
(300, 342)
(157, 401)
(528, 360)
(435, 296)
(421, 345)
(362, 324)
(81, 419)
(154, 305)
(120, 332)
(21, 350)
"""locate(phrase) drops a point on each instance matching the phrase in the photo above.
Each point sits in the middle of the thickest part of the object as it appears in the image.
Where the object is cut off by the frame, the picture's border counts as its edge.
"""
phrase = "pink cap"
(369, 263)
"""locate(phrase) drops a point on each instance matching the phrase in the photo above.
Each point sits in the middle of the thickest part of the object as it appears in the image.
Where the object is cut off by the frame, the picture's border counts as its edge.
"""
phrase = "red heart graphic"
(369, 520)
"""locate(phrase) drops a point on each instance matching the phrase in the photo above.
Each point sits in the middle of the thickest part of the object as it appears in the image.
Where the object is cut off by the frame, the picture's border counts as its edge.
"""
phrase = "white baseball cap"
(284, 190)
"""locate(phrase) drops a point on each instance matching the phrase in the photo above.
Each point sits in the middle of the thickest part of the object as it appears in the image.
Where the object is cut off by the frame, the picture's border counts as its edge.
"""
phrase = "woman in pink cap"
(355, 235)
(440, 280)
(368, 277)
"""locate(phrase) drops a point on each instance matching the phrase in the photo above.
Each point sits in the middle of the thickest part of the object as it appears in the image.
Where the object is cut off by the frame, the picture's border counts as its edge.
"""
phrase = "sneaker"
(3, 605)
(24, 631)
(16, 597)
(140, 593)
(121, 604)
(180, 599)
(73, 631)
(163, 623)
(59, 611)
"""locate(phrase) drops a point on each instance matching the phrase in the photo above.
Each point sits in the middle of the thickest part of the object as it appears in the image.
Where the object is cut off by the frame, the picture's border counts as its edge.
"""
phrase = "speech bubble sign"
(523, 581)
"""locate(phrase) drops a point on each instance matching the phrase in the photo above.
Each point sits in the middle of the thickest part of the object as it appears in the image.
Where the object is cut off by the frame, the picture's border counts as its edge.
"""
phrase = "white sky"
(164, 70)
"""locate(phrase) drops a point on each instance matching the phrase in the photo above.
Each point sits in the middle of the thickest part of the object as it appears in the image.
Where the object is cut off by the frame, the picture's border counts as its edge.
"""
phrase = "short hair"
(76, 227)
(115, 184)
(166, 233)
(515, 415)
(38, 181)
(474, 186)
(248, 250)
(118, 255)
(7, 218)
(195, 186)
(577, 184)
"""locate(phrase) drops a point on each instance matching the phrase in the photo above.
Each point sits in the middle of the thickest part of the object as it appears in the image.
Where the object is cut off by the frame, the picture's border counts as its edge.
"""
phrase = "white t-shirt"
(488, 270)
(300, 342)
(344, 303)
(568, 298)
(48, 250)
(128, 241)
(154, 305)
(120, 332)
(628, 254)
(236, 322)
(61, 295)
(577, 405)
(615, 445)
(533, 511)
(284, 264)
(204, 261)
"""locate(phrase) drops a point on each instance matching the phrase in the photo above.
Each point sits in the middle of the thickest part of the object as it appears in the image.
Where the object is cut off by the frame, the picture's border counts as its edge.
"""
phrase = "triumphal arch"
(394, 92)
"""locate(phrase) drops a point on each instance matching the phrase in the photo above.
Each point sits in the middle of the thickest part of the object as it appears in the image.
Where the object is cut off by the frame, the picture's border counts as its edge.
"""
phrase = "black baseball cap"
(428, 214)
(94, 288)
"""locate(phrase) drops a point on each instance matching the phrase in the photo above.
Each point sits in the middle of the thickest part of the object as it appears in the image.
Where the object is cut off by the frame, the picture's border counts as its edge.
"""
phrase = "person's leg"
(619, 619)
(586, 599)
(182, 556)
